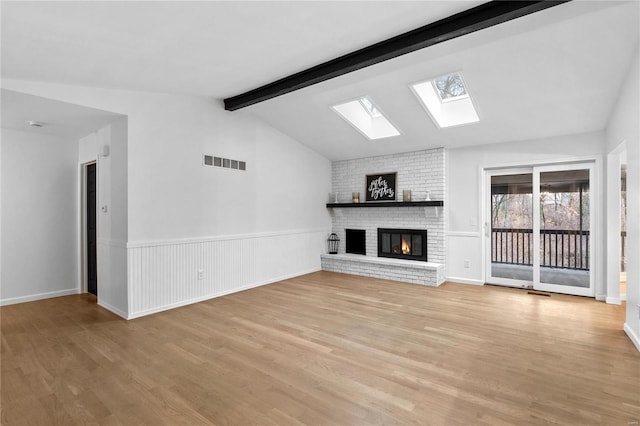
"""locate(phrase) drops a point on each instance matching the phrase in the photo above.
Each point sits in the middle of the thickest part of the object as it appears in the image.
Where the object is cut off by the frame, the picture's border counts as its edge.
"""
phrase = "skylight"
(367, 118)
(370, 108)
(447, 100)
(450, 87)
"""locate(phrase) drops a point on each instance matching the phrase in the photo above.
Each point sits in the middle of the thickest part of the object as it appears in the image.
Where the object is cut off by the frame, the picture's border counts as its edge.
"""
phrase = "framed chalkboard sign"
(381, 187)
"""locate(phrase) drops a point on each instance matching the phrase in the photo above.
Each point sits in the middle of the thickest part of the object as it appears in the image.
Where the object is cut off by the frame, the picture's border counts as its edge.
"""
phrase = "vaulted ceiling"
(555, 72)
(202, 48)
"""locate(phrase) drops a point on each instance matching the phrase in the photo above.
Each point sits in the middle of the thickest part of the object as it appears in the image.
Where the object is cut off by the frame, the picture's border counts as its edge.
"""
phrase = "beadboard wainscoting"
(168, 274)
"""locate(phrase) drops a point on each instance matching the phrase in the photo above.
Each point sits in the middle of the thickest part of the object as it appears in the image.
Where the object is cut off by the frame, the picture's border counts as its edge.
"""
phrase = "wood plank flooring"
(323, 349)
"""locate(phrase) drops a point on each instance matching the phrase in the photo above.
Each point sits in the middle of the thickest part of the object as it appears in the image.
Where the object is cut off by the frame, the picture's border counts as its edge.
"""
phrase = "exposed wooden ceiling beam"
(477, 18)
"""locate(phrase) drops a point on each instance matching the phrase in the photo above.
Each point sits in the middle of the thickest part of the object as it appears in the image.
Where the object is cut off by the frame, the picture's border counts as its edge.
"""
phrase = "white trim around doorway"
(614, 241)
(82, 223)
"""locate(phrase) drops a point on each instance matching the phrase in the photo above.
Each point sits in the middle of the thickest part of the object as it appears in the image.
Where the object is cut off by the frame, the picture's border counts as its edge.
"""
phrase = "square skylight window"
(366, 118)
(450, 87)
(447, 100)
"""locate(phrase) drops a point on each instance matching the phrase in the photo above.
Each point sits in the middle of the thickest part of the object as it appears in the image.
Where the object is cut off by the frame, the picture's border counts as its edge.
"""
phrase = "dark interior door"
(92, 251)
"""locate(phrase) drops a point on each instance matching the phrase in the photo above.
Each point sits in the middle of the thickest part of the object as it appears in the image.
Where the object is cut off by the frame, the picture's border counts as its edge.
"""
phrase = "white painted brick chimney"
(418, 171)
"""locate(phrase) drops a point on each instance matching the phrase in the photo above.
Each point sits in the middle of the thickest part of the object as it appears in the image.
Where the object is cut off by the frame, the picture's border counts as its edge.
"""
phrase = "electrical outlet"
(467, 263)
(201, 274)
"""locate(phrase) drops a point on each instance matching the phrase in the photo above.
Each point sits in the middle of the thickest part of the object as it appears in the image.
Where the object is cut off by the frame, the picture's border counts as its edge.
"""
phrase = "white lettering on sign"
(379, 188)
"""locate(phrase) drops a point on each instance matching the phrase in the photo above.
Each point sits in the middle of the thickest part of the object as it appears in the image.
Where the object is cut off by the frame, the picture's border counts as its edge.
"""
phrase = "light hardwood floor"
(324, 349)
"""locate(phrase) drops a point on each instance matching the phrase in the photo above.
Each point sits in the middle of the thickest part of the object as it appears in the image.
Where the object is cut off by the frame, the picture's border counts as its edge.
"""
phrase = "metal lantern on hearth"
(333, 241)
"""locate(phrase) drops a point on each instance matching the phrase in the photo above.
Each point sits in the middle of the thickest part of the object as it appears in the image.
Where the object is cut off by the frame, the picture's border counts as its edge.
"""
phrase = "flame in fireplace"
(406, 248)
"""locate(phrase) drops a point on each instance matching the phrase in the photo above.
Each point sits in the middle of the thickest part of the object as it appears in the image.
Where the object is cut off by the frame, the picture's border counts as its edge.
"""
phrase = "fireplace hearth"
(409, 244)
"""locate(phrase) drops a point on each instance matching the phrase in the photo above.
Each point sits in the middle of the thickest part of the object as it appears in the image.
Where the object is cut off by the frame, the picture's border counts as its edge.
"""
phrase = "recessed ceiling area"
(58, 118)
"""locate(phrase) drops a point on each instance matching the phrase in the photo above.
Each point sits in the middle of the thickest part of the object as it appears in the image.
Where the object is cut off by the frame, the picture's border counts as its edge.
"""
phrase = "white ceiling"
(59, 118)
(555, 72)
(203, 48)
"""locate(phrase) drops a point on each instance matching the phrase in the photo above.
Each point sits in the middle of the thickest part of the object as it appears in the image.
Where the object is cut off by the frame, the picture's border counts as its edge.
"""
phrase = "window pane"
(386, 243)
(396, 244)
(416, 245)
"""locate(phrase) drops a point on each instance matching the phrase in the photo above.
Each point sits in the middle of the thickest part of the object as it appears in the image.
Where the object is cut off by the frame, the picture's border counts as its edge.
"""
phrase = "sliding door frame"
(488, 238)
(598, 288)
(557, 287)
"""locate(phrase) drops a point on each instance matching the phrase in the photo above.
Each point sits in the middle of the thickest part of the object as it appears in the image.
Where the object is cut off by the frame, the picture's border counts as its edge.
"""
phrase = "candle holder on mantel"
(355, 197)
(406, 195)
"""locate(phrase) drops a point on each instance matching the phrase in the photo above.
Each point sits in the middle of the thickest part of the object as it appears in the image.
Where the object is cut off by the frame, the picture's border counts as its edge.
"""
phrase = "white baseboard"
(623, 297)
(113, 309)
(633, 336)
(464, 281)
(39, 296)
(601, 297)
(213, 296)
(613, 300)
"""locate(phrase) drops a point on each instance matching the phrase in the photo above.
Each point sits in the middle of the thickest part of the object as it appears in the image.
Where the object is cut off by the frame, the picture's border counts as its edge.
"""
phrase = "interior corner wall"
(195, 231)
(112, 217)
(465, 240)
(39, 217)
(624, 127)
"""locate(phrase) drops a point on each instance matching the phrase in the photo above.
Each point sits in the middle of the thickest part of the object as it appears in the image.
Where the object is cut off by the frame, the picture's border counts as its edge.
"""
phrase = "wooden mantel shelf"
(388, 204)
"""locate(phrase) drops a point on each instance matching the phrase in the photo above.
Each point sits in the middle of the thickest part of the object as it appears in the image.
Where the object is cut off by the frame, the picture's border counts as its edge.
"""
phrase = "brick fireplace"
(419, 172)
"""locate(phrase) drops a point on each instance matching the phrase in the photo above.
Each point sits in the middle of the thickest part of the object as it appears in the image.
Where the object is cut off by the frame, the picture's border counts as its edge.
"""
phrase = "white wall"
(112, 217)
(464, 188)
(624, 127)
(88, 148)
(112, 223)
(39, 216)
(172, 197)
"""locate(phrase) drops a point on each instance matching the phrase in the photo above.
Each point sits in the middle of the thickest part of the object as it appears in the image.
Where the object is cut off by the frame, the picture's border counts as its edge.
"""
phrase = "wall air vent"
(225, 163)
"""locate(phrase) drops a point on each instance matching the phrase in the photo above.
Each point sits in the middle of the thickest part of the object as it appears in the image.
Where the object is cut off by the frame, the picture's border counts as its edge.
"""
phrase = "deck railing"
(560, 248)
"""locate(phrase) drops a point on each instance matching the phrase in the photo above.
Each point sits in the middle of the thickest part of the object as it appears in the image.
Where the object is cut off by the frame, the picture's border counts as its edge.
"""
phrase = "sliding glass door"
(510, 227)
(539, 228)
(562, 223)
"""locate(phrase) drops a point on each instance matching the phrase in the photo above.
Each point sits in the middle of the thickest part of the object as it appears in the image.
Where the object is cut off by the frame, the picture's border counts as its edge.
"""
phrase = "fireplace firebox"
(409, 244)
(356, 241)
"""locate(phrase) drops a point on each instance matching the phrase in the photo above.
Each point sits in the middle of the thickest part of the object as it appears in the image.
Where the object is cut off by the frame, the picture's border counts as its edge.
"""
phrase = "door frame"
(83, 250)
(555, 287)
(614, 241)
(488, 174)
(599, 288)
